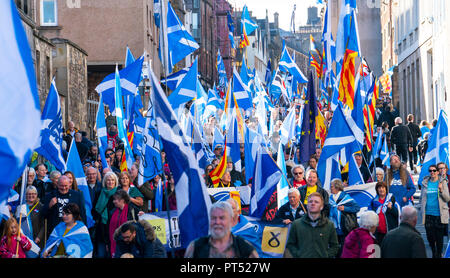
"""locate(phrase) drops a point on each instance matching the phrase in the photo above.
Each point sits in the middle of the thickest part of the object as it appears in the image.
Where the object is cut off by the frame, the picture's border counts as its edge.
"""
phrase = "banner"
(223, 193)
(362, 194)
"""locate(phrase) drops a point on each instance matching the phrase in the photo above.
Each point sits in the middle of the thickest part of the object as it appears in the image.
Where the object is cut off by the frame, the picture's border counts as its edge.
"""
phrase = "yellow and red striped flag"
(347, 84)
(218, 172)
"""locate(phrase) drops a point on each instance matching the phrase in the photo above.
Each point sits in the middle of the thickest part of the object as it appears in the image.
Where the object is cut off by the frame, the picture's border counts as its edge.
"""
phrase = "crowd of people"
(323, 224)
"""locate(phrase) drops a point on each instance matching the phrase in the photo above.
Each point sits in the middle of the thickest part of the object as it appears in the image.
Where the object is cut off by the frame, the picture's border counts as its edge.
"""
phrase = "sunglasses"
(441, 169)
(432, 171)
(299, 173)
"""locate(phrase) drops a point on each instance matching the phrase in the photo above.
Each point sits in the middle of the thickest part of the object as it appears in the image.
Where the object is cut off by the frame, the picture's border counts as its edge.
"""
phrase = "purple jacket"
(358, 244)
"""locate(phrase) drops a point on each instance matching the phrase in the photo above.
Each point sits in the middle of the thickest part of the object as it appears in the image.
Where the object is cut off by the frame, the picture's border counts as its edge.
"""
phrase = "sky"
(283, 7)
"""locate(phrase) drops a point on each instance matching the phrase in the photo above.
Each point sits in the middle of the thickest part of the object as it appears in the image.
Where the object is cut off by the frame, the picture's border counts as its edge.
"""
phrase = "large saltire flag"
(74, 165)
(186, 91)
(50, 145)
(19, 131)
(102, 136)
(193, 201)
(246, 22)
(287, 63)
(77, 241)
(221, 71)
(329, 46)
(230, 24)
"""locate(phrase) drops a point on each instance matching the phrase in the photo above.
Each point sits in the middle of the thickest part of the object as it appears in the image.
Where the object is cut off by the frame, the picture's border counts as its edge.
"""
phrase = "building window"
(49, 15)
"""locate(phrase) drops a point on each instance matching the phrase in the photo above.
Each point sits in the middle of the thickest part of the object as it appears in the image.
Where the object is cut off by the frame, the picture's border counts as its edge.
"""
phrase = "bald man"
(404, 241)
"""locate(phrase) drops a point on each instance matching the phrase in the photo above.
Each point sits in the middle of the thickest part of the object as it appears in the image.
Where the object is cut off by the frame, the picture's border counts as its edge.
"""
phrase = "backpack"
(350, 222)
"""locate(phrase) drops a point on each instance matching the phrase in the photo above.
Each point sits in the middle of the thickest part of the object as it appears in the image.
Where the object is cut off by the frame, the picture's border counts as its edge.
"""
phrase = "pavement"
(420, 227)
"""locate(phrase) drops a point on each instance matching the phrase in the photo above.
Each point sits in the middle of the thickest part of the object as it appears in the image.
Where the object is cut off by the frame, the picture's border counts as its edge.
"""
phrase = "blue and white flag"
(130, 76)
(219, 139)
(193, 201)
(179, 42)
(246, 21)
(221, 71)
(233, 142)
(253, 141)
(241, 92)
(287, 129)
(19, 131)
(159, 196)
(437, 146)
(148, 146)
(329, 46)
(102, 135)
(230, 24)
(74, 165)
(77, 242)
(268, 73)
(52, 130)
(384, 154)
(265, 179)
(277, 87)
(129, 58)
(347, 22)
(286, 63)
(186, 91)
(283, 184)
(173, 81)
(157, 12)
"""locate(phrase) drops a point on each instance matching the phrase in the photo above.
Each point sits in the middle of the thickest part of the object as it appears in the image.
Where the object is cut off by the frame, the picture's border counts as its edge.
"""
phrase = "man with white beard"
(220, 243)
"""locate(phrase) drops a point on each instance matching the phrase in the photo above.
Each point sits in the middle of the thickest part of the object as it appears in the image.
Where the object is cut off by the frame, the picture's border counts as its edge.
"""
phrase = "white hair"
(298, 166)
(294, 190)
(32, 189)
(398, 120)
(368, 219)
(223, 206)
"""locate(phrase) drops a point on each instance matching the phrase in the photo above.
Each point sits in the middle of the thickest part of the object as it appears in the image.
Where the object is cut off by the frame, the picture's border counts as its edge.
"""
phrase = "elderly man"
(53, 183)
(220, 243)
(291, 210)
(404, 241)
(81, 147)
(39, 182)
(56, 200)
(94, 186)
(298, 171)
(313, 235)
(401, 139)
(313, 186)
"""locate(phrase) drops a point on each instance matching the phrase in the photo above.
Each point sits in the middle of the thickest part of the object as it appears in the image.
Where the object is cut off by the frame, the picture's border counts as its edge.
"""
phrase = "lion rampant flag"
(321, 128)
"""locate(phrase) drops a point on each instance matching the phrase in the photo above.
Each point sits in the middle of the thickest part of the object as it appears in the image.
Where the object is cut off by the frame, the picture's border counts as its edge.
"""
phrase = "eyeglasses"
(432, 171)
(298, 173)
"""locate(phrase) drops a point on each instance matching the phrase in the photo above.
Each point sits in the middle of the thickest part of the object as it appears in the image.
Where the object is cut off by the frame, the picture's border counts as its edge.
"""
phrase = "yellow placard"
(274, 239)
(159, 225)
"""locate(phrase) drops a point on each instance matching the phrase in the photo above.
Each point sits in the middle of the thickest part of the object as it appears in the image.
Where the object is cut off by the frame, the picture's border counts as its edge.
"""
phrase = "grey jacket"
(444, 198)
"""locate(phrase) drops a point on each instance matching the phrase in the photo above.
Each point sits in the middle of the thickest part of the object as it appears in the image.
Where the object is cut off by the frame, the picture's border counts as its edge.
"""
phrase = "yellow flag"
(274, 240)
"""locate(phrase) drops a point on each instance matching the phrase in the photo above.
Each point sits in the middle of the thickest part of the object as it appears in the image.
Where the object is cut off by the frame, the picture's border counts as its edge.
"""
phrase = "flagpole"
(165, 64)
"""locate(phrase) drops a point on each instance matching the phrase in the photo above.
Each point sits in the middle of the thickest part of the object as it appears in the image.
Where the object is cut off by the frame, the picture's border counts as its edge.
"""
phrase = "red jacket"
(7, 251)
(359, 243)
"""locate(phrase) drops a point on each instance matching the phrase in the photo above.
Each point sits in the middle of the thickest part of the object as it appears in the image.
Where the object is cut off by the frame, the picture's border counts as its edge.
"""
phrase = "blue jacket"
(402, 190)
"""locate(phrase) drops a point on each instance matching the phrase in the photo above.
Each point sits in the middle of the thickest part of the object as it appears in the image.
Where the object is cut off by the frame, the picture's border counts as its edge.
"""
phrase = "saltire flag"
(244, 39)
(378, 144)
(221, 71)
(240, 92)
(148, 146)
(286, 63)
(287, 129)
(253, 140)
(129, 58)
(283, 184)
(351, 51)
(233, 142)
(122, 133)
(186, 91)
(51, 137)
(218, 139)
(329, 46)
(244, 73)
(347, 27)
(268, 73)
(356, 119)
(278, 87)
(19, 131)
(437, 146)
(74, 165)
(193, 201)
(266, 176)
(130, 76)
(213, 104)
(308, 133)
(384, 154)
(173, 81)
(246, 22)
(231, 30)
(335, 90)
(180, 42)
(315, 57)
(339, 140)
(77, 241)
(102, 136)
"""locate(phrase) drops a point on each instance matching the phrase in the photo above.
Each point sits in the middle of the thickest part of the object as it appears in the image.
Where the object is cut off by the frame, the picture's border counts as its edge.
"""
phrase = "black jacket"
(403, 242)
(400, 135)
(415, 132)
(285, 213)
(145, 244)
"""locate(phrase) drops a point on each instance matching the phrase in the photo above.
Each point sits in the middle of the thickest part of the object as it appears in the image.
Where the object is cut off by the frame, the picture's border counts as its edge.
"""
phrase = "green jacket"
(306, 241)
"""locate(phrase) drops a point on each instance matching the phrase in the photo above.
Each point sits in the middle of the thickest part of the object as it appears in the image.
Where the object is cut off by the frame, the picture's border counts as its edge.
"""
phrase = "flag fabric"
(386, 81)
(356, 119)
(157, 12)
(286, 63)
(102, 136)
(193, 201)
(77, 241)
(180, 42)
(244, 39)
(173, 81)
(122, 133)
(321, 128)
(329, 46)
(384, 154)
(287, 129)
(217, 173)
(253, 141)
(265, 179)
(19, 132)
(130, 78)
(437, 146)
(240, 92)
(148, 146)
(159, 196)
(231, 30)
(222, 73)
(246, 22)
(315, 57)
(52, 130)
(308, 135)
(268, 73)
(218, 139)
(186, 91)
(129, 58)
(74, 165)
(347, 34)
(283, 184)
(233, 142)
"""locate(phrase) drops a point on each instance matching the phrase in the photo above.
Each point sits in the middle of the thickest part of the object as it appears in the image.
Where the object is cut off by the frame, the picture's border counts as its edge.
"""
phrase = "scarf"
(102, 202)
(335, 214)
(384, 206)
(118, 218)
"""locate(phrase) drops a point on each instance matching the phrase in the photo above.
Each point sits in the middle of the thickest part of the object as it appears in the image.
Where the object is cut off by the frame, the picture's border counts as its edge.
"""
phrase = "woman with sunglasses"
(434, 198)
